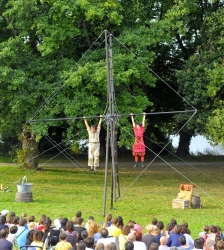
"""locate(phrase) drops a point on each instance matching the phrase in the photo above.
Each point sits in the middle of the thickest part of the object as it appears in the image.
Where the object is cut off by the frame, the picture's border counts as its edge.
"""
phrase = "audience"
(15, 234)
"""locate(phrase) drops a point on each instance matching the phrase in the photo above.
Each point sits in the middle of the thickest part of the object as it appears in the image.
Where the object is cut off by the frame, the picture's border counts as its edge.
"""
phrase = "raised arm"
(143, 120)
(86, 123)
(133, 121)
(100, 121)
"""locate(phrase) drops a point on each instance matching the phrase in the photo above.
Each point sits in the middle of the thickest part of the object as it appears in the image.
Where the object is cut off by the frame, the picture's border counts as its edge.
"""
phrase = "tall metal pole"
(111, 128)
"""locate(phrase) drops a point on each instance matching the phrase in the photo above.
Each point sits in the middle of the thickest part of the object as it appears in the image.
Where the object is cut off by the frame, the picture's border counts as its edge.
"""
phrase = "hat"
(4, 212)
(31, 225)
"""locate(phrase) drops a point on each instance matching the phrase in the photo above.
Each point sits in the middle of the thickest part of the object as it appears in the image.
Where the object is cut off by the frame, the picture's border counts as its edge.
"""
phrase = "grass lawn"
(62, 191)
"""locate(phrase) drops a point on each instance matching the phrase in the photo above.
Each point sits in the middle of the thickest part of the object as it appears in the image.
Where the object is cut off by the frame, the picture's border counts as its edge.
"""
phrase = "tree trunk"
(184, 144)
(30, 149)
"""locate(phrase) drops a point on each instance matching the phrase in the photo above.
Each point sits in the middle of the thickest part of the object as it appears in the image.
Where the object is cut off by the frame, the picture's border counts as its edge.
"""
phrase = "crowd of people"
(25, 232)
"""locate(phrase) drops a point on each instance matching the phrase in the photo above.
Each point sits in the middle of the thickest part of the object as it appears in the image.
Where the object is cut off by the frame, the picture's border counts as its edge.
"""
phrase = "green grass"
(61, 192)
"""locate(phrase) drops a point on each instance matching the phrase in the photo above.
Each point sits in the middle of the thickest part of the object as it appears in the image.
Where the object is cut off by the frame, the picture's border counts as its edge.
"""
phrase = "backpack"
(54, 236)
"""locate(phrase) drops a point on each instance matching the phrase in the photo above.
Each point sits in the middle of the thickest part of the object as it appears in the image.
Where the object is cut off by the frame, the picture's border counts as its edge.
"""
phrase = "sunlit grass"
(61, 192)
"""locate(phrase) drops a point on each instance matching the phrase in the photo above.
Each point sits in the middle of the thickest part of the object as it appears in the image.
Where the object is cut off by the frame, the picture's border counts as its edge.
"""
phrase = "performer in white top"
(94, 144)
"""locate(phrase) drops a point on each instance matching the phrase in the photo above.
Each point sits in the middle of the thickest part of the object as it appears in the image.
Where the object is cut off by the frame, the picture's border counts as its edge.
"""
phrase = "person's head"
(16, 220)
(2, 219)
(69, 226)
(173, 222)
(169, 227)
(149, 228)
(114, 221)
(79, 214)
(131, 237)
(93, 228)
(108, 217)
(154, 246)
(93, 128)
(84, 234)
(131, 224)
(177, 229)
(104, 233)
(163, 240)
(64, 221)
(183, 229)
(182, 240)
(38, 235)
(185, 224)
(129, 245)
(198, 243)
(42, 219)
(23, 216)
(160, 225)
(138, 125)
(90, 219)
(120, 222)
(156, 231)
(111, 246)
(31, 225)
(47, 225)
(62, 236)
(213, 229)
(220, 245)
(126, 230)
(138, 236)
(80, 221)
(31, 218)
(206, 228)
(99, 246)
(11, 217)
(22, 222)
(89, 242)
(81, 246)
(13, 229)
(4, 233)
(154, 221)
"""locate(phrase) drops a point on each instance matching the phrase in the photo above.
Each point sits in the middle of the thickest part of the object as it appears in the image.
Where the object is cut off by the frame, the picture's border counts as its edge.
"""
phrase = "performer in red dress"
(138, 149)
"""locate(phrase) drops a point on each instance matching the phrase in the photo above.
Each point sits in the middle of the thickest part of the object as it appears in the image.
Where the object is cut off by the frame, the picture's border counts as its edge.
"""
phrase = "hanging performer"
(138, 149)
(94, 144)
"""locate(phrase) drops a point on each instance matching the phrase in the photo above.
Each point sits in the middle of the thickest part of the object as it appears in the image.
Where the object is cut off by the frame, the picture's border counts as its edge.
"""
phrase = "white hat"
(4, 212)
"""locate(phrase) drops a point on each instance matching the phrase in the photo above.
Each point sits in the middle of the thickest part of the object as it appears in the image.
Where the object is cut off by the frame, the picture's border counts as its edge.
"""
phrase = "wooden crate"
(180, 203)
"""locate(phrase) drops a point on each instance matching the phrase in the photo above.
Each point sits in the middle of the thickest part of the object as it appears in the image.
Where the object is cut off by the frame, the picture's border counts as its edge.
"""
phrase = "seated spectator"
(154, 222)
(74, 219)
(163, 242)
(111, 246)
(94, 232)
(189, 240)
(198, 243)
(63, 244)
(154, 246)
(63, 223)
(104, 237)
(160, 226)
(148, 238)
(183, 245)
(173, 240)
(79, 228)
(10, 219)
(107, 222)
(12, 236)
(29, 237)
(89, 243)
(157, 233)
(5, 244)
(220, 245)
(90, 220)
(123, 237)
(138, 244)
(129, 245)
(120, 222)
(113, 230)
(42, 219)
(37, 240)
(72, 236)
(99, 246)
(22, 232)
(210, 242)
(2, 222)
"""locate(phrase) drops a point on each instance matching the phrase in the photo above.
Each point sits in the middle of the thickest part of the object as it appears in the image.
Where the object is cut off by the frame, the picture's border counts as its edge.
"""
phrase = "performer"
(138, 149)
(94, 144)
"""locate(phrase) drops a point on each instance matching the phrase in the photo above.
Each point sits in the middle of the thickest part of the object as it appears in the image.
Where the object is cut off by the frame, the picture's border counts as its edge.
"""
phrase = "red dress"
(139, 147)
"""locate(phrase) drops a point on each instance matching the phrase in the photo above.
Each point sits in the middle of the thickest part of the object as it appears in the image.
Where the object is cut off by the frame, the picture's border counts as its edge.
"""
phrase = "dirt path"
(70, 164)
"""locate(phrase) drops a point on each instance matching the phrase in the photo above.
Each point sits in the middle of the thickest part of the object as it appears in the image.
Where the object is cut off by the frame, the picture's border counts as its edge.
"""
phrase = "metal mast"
(111, 140)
